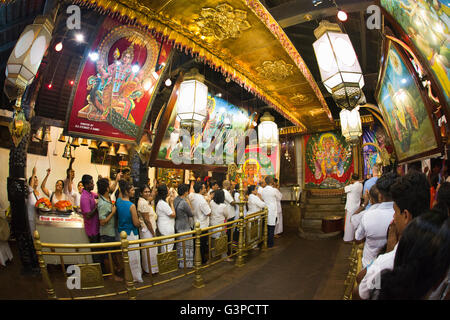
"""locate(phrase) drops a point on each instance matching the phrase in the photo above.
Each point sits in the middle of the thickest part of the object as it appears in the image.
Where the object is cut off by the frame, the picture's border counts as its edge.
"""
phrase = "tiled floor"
(295, 269)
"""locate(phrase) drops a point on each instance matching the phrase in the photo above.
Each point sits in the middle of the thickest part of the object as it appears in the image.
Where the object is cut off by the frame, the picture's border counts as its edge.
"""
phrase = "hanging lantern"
(62, 138)
(93, 145)
(75, 143)
(39, 134)
(338, 65)
(112, 151)
(193, 99)
(351, 125)
(104, 145)
(122, 150)
(84, 142)
(67, 151)
(267, 133)
(47, 136)
(26, 57)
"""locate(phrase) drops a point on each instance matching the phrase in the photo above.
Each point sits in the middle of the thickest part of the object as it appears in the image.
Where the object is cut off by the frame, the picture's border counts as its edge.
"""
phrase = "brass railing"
(87, 276)
(355, 266)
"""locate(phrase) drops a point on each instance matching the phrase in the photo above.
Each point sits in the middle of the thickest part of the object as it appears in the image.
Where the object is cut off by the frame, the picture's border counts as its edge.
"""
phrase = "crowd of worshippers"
(159, 211)
(403, 221)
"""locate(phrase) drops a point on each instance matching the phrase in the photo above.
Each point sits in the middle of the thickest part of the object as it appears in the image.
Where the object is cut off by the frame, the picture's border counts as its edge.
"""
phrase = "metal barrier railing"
(251, 231)
(355, 266)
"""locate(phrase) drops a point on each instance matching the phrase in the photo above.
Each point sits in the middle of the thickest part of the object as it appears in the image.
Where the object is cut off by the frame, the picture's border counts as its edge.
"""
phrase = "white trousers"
(135, 259)
(349, 230)
(279, 225)
(153, 253)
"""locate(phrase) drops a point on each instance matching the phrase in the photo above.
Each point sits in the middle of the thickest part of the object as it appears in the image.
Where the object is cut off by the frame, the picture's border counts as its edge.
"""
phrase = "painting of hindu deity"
(223, 120)
(404, 109)
(329, 162)
(171, 177)
(427, 24)
(376, 148)
(115, 86)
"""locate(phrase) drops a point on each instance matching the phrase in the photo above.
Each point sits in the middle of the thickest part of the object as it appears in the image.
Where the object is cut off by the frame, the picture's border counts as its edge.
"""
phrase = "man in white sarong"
(354, 193)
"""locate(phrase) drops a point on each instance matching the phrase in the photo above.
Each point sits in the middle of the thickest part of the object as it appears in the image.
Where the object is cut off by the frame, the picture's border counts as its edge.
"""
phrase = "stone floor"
(295, 269)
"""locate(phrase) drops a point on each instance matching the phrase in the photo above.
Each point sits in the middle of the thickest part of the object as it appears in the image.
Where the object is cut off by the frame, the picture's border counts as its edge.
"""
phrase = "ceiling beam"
(295, 12)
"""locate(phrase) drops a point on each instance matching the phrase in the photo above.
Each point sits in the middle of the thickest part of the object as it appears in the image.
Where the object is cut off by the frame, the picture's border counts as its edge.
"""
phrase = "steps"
(316, 206)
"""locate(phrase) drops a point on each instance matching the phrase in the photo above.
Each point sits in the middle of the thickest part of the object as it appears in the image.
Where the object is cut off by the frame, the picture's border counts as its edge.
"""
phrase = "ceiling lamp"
(193, 99)
(338, 65)
(58, 46)
(351, 125)
(267, 132)
(26, 57)
(342, 15)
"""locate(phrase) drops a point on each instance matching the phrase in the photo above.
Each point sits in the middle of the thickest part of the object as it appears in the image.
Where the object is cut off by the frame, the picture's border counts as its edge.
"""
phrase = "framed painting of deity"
(115, 85)
(404, 107)
(425, 27)
(328, 161)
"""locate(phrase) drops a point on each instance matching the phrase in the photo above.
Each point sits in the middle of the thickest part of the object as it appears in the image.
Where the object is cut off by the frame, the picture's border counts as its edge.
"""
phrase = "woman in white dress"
(218, 215)
(255, 204)
(147, 230)
(33, 197)
(166, 215)
(56, 195)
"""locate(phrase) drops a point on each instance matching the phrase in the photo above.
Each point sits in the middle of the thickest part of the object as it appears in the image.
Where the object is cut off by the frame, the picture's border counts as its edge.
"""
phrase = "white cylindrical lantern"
(26, 57)
(193, 99)
(351, 125)
(338, 64)
(267, 132)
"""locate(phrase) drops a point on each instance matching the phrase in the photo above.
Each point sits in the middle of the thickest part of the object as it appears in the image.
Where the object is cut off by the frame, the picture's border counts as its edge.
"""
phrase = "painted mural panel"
(375, 142)
(116, 84)
(329, 162)
(403, 109)
(427, 24)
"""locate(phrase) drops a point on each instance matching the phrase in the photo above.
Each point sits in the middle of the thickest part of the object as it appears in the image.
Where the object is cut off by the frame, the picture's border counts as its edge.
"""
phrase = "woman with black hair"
(421, 262)
(147, 229)
(58, 194)
(443, 197)
(218, 215)
(33, 197)
(129, 222)
(184, 223)
(166, 214)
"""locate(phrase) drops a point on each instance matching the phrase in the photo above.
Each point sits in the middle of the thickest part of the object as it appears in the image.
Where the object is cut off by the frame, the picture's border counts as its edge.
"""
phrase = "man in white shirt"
(371, 196)
(279, 225)
(230, 212)
(354, 193)
(201, 212)
(411, 197)
(375, 223)
(269, 196)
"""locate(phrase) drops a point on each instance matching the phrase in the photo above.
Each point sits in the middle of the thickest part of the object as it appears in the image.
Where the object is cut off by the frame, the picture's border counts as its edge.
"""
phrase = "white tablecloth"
(5, 252)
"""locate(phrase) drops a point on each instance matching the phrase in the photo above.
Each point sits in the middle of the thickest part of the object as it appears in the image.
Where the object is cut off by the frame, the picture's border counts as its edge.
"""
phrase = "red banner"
(112, 97)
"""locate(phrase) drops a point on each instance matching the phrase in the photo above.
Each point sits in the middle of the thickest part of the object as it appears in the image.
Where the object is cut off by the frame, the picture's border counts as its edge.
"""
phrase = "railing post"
(240, 257)
(266, 217)
(198, 281)
(45, 276)
(126, 263)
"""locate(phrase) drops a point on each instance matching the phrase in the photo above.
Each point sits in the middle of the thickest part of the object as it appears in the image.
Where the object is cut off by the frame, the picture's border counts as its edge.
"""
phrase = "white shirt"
(372, 279)
(354, 192)
(218, 213)
(255, 204)
(230, 210)
(200, 209)
(236, 207)
(356, 218)
(166, 225)
(374, 225)
(144, 206)
(269, 196)
(279, 197)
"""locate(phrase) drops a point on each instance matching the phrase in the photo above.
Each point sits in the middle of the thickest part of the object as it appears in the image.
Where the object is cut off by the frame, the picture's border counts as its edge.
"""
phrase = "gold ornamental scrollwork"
(167, 262)
(223, 22)
(275, 70)
(91, 276)
(302, 99)
(220, 245)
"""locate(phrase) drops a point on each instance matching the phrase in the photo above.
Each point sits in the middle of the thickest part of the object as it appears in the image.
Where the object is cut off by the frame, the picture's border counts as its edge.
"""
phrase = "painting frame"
(68, 130)
(426, 102)
(430, 75)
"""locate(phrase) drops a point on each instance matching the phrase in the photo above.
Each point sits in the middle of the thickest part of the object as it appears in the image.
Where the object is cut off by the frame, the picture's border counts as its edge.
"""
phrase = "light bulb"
(79, 37)
(93, 56)
(342, 15)
(168, 82)
(59, 46)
